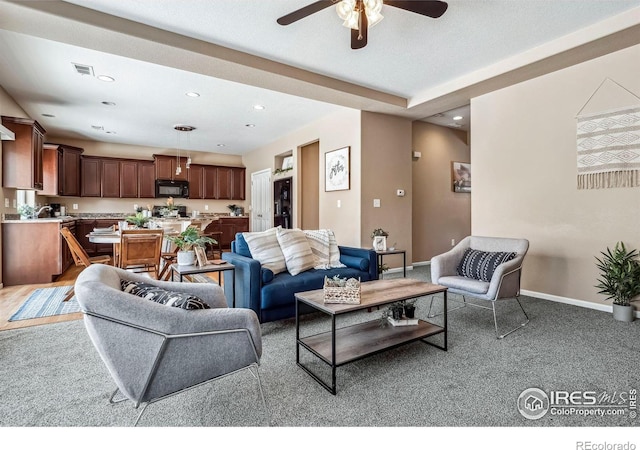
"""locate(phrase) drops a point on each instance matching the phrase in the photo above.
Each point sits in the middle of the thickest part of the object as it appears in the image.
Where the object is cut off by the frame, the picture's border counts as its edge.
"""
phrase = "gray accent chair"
(154, 351)
(504, 284)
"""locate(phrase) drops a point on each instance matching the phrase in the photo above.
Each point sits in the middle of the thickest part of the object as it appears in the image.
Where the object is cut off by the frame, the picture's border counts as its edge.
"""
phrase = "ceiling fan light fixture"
(374, 18)
(352, 21)
(345, 8)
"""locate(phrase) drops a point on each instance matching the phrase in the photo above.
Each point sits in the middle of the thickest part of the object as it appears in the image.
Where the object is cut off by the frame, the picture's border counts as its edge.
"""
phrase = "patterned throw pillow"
(320, 243)
(480, 265)
(265, 248)
(162, 296)
(297, 252)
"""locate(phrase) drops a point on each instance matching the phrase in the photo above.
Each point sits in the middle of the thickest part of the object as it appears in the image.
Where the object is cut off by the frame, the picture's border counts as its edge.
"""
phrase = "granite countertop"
(15, 218)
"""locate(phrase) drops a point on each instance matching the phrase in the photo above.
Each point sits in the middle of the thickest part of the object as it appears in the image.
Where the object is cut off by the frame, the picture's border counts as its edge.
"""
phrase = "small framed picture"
(336, 170)
(380, 243)
(461, 176)
(201, 256)
(287, 162)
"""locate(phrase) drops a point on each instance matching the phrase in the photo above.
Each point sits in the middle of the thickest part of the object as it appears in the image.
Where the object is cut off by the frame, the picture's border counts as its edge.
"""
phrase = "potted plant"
(171, 210)
(619, 279)
(185, 242)
(409, 309)
(26, 211)
(233, 209)
(139, 220)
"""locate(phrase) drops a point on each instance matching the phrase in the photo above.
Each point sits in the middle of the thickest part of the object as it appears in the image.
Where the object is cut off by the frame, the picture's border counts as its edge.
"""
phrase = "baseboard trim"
(422, 263)
(398, 269)
(571, 301)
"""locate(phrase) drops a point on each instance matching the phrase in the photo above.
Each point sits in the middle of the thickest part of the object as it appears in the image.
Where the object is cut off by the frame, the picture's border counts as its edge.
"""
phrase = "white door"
(261, 200)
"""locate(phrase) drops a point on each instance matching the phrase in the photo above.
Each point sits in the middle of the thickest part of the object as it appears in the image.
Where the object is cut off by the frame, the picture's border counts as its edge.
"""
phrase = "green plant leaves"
(619, 274)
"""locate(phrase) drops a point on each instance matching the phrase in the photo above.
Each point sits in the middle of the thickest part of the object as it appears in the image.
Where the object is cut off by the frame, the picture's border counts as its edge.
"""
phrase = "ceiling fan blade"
(359, 37)
(304, 12)
(430, 8)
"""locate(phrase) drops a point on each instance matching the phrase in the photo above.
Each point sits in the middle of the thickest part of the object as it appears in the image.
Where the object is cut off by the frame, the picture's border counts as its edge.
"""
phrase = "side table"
(183, 270)
(382, 254)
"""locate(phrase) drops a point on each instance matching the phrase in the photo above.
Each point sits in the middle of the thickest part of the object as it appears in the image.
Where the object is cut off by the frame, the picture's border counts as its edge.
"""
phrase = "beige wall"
(309, 186)
(117, 205)
(439, 214)
(332, 132)
(524, 174)
(386, 167)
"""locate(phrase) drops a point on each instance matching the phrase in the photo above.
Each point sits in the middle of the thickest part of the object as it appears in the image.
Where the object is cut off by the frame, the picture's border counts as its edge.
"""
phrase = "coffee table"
(351, 343)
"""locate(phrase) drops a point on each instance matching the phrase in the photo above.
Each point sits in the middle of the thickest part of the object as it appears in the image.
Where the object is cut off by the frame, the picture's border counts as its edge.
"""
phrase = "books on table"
(402, 322)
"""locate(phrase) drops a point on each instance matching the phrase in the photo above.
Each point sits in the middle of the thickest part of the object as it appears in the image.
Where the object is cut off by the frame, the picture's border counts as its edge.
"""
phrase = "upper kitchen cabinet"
(238, 183)
(146, 179)
(166, 168)
(22, 158)
(196, 184)
(224, 183)
(61, 170)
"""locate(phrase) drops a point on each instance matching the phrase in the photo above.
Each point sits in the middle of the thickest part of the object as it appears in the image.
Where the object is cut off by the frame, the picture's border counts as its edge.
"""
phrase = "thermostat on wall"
(400, 192)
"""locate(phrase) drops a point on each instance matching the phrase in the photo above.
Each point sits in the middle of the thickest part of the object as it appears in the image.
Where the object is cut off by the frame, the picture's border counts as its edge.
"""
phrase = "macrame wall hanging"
(608, 144)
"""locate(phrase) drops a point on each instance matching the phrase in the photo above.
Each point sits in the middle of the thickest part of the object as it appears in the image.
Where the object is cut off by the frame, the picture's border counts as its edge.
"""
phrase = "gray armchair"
(154, 351)
(503, 284)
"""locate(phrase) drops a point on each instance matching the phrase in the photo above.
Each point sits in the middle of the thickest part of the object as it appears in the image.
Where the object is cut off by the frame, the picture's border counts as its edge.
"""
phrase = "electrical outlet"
(453, 242)
(6, 202)
(206, 207)
(376, 203)
(75, 206)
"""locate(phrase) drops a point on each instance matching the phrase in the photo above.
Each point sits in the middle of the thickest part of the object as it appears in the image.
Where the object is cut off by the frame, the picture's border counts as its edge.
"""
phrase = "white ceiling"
(235, 55)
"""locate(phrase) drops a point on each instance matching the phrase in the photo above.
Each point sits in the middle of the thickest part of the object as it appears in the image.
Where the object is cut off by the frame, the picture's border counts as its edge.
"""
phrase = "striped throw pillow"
(480, 265)
(264, 247)
(320, 244)
(297, 252)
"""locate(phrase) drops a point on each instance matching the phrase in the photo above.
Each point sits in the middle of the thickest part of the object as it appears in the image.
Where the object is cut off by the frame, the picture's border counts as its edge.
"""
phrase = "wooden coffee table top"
(373, 293)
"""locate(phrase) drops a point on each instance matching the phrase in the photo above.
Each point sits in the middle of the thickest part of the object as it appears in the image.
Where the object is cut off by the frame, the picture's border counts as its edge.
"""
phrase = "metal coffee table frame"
(367, 338)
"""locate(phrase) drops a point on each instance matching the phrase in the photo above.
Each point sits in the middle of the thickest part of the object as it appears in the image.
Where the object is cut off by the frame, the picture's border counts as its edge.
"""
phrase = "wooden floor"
(11, 297)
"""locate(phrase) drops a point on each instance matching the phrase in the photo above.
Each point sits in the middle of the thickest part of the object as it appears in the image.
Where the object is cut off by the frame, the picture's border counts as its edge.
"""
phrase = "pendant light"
(179, 130)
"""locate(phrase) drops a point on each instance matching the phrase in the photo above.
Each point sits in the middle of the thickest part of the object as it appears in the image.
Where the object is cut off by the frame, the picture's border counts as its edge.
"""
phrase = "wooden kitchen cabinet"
(196, 184)
(128, 176)
(210, 182)
(111, 178)
(90, 177)
(229, 226)
(34, 252)
(238, 183)
(146, 179)
(166, 168)
(61, 170)
(224, 175)
(22, 157)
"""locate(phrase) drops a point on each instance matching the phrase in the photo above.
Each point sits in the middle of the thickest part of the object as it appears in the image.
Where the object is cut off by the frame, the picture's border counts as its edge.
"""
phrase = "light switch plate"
(339, 203)
(376, 203)
(206, 207)
(6, 202)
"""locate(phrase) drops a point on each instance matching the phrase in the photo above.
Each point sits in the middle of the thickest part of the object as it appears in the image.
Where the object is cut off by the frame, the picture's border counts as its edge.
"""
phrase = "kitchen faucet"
(37, 214)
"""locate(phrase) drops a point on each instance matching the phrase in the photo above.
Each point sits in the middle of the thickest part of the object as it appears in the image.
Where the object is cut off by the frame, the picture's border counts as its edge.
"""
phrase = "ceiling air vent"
(83, 69)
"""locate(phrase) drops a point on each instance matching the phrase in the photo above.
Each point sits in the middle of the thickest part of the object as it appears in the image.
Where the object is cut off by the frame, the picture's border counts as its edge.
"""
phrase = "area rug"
(45, 302)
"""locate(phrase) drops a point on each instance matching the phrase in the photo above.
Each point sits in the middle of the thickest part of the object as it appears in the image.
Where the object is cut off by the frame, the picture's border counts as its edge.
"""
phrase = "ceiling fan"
(359, 15)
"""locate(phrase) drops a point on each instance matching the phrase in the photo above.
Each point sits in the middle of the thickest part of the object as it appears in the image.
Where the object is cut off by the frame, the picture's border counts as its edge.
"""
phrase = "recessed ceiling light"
(48, 115)
(221, 145)
(258, 107)
(109, 103)
(106, 78)
(192, 94)
(250, 125)
(457, 118)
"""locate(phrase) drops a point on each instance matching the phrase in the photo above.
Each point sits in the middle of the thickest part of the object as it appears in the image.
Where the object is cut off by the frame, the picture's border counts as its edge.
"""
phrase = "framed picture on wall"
(336, 170)
(461, 176)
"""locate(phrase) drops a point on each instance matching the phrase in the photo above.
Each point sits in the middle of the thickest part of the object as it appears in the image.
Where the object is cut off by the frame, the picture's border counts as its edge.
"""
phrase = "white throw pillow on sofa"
(264, 247)
(324, 247)
(297, 252)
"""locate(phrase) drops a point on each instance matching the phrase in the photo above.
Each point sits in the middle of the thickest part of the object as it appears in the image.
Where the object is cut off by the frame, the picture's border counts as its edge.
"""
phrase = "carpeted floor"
(46, 302)
(52, 376)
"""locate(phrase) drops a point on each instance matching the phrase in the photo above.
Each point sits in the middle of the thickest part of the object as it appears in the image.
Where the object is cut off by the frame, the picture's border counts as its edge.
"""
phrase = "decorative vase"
(623, 313)
(186, 258)
(397, 313)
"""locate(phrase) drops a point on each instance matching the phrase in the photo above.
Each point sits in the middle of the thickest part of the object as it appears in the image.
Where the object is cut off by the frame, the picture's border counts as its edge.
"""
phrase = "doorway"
(261, 200)
(310, 186)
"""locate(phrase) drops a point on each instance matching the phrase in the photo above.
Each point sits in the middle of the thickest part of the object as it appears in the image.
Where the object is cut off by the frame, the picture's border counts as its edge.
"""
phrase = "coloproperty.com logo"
(534, 403)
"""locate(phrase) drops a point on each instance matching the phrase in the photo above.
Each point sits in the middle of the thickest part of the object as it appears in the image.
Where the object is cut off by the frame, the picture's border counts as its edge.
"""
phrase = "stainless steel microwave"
(172, 188)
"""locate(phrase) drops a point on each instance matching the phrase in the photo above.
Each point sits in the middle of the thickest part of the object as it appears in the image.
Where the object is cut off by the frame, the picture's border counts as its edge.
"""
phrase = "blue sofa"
(272, 296)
